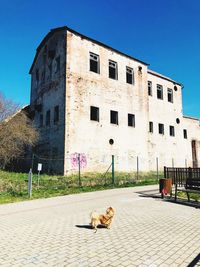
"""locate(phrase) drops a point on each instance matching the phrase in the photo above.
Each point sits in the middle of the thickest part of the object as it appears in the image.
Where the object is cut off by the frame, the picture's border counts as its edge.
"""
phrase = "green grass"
(193, 196)
(13, 186)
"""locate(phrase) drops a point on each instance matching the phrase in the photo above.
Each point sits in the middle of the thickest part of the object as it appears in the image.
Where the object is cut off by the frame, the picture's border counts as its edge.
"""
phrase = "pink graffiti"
(75, 160)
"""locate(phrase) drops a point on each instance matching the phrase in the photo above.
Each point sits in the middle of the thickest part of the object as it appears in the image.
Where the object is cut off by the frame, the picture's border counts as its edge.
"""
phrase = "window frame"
(170, 94)
(57, 70)
(92, 59)
(94, 113)
(111, 68)
(129, 75)
(131, 120)
(150, 93)
(48, 118)
(161, 128)
(114, 119)
(56, 115)
(150, 126)
(185, 135)
(172, 130)
(159, 91)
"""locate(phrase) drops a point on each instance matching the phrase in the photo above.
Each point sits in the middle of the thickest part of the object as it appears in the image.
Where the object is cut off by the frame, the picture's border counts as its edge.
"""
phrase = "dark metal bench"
(192, 186)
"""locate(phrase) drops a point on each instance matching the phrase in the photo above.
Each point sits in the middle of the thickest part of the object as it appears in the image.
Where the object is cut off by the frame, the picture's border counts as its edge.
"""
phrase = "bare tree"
(16, 131)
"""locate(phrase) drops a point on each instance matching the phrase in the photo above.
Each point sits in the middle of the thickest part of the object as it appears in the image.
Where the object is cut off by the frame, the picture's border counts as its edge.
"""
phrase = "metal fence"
(80, 164)
(106, 169)
(179, 175)
(44, 180)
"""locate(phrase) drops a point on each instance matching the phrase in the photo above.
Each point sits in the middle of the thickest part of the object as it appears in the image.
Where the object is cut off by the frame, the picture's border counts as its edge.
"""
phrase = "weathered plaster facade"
(48, 83)
(69, 84)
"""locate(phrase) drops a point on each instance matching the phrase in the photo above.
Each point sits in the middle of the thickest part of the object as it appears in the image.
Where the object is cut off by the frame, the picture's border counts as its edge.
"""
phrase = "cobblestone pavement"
(146, 231)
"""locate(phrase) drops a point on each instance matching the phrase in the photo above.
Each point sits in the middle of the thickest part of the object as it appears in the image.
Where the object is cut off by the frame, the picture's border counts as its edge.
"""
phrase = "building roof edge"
(191, 118)
(164, 77)
(65, 28)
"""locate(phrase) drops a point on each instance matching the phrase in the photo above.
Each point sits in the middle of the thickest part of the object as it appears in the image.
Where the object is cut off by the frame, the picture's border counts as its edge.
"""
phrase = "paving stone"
(55, 232)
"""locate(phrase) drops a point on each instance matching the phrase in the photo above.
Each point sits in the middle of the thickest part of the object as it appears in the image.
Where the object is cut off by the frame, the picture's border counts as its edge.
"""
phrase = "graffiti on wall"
(75, 160)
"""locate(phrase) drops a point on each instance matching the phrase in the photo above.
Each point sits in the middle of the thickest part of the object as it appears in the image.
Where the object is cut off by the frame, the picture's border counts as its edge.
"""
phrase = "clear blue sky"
(164, 33)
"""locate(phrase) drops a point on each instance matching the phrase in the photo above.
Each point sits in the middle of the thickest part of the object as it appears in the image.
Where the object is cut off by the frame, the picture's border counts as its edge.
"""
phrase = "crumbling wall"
(47, 92)
(163, 147)
(172, 151)
(193, 134)
(84, 89)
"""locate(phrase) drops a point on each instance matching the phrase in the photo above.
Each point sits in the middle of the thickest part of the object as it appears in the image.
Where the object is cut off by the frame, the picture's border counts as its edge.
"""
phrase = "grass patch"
(14, 186)
(193, 196)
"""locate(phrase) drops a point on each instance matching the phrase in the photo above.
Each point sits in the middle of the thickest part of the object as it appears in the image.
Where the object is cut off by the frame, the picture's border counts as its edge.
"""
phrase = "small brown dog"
(106, 219)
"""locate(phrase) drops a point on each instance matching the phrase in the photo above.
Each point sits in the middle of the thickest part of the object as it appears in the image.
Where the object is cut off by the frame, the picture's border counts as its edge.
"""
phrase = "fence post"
(30, 183)
(165, 172)
(32, 161)
(113, 169)
(190, 172)
(157, 167)
(137, 168)
(79, 170)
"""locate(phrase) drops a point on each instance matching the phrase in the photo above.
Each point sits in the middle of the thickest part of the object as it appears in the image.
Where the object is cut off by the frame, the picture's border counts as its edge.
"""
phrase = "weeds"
(13, 186)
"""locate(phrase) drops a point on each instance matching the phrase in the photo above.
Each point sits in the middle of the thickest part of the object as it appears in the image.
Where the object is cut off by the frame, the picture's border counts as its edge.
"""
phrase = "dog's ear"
(109, 210)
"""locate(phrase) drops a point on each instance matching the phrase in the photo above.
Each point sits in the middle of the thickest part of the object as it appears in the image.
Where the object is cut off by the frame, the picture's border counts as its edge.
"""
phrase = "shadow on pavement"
(149, 193)
(193, 204)
(156, 195)
(195, 261)
(86, 226)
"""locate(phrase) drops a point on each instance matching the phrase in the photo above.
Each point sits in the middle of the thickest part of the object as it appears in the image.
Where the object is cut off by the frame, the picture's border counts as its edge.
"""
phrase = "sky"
(163, 33)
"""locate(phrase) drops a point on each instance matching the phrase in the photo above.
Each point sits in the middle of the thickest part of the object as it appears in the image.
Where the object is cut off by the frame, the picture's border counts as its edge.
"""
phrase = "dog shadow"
(86, 226)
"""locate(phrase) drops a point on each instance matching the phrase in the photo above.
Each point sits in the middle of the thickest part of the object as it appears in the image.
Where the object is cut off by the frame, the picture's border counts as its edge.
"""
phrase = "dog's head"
(110, 212)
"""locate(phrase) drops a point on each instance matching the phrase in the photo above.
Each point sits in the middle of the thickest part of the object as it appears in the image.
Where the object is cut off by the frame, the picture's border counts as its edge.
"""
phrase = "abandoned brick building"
(92, 99)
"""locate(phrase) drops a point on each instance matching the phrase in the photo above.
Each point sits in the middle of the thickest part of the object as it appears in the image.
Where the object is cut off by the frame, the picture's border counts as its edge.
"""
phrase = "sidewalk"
(146, 231)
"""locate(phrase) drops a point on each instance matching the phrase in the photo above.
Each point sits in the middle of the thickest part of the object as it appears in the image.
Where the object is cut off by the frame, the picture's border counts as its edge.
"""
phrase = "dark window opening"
(175, 88)
(131, 120)
(129, 75)
(185, 134)
(151, 127)
(159, 91)
(161, 128)
(50, 70)
(48, 116)
(113, 70)
(171, 131)
(51, 54)
(57, 64)
(56, 114)
(170, 95)
(150, 88)
(41, 120)
(177, 120)
(113, 117)
(94, 113)
(94, 63)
